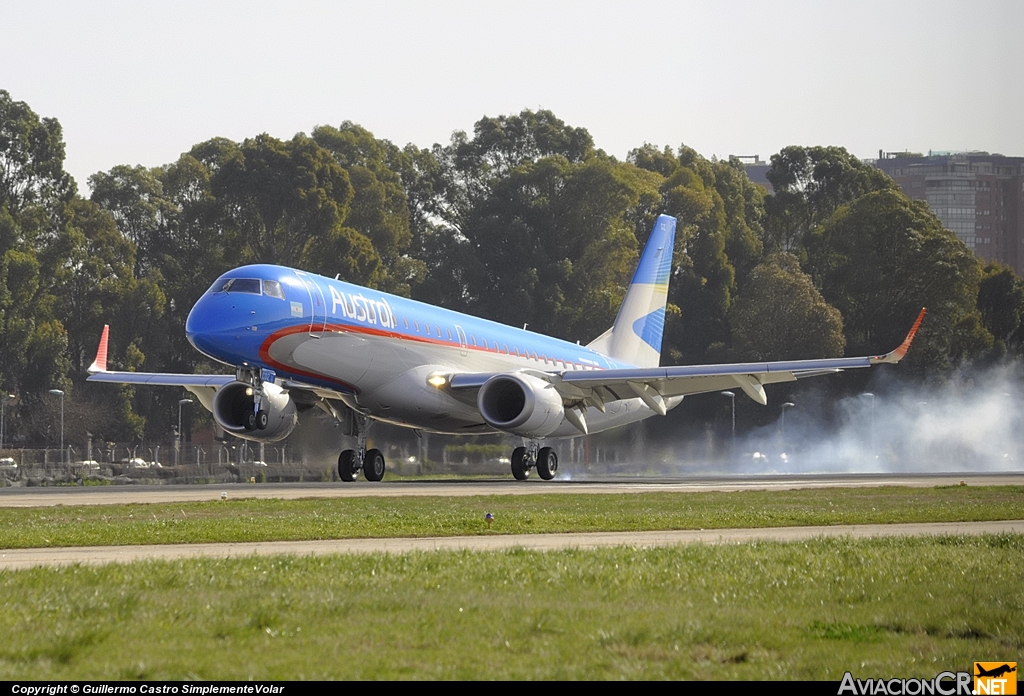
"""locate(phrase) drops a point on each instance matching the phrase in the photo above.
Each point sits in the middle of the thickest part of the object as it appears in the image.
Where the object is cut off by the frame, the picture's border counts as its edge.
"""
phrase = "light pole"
(61, 394)
(3, 404)
(872, 396)
(177, 440)
(788, 404)
(732, 398)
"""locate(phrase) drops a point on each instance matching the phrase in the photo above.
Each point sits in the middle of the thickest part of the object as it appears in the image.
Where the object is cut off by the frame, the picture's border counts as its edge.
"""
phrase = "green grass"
(267, 520)
(887, 607)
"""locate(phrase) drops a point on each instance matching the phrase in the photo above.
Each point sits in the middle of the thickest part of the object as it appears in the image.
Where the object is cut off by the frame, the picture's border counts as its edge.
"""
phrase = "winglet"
(100, 363)
(897, 355)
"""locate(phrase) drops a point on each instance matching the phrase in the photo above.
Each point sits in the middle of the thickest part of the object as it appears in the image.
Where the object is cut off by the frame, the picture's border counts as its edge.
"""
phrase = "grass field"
(880, 608)
(267, 520)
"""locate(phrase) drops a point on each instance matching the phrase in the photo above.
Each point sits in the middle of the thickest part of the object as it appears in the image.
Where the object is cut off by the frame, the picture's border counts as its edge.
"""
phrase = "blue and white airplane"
(298, 341)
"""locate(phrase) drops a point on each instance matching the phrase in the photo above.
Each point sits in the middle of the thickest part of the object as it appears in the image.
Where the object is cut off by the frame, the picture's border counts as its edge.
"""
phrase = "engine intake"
(235, 400)
(521, 404)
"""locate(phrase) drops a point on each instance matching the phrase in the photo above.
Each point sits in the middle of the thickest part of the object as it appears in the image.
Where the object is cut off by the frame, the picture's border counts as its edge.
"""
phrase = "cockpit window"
(247, 285)
(272, 288)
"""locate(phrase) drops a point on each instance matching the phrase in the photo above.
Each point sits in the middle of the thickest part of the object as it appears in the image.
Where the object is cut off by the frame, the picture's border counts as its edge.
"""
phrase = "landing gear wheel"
(520, 469)
(249, 423)
(262, 420)
(347, 466)
(547, 463)
(373, 465)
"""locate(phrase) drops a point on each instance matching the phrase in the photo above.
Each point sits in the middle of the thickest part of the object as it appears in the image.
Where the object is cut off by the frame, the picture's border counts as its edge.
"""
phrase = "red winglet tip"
(905, 346)
(100, 363)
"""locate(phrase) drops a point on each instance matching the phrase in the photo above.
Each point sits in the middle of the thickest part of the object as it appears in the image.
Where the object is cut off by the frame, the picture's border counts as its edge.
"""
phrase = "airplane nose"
(209, 325)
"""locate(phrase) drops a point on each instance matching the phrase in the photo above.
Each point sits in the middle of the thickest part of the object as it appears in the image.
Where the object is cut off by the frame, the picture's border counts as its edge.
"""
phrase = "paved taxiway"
(112, 495)
(29, 497)
(13, 559)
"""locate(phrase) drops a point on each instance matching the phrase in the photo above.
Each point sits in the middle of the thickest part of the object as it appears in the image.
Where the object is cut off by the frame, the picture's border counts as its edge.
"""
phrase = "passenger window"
(449, 334)
(406, 322)
(417, 325)
(473, 339)
(438, 330)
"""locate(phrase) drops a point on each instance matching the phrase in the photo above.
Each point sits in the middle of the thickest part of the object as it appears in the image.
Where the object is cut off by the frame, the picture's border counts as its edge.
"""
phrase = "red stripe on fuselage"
(379, 333)
(277, 335)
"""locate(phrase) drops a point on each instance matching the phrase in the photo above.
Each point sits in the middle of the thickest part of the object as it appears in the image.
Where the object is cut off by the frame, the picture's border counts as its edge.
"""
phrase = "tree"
(573, 250)
(879, 260)
(380, 208)
(718, 242)
(31, 157)
(143, 213)
(810, 184)
(279, 195)
(34, 193)
(703, 280)
(782, 316)
(1001, 303)
(743, 202)
(526, 223)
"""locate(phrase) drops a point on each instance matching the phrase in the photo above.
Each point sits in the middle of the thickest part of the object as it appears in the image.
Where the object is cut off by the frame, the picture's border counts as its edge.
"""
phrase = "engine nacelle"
(521, 404)
(234, 401)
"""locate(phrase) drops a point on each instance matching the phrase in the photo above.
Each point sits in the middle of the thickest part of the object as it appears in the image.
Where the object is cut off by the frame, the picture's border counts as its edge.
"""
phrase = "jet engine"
(521, 404)
(235, 401)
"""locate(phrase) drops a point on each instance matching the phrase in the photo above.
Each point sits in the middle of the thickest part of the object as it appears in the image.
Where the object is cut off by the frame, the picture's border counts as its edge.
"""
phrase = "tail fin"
(100, 363)
(635, 337)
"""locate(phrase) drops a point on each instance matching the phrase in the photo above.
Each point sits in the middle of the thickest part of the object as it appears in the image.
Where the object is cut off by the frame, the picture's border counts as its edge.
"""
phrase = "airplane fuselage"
(379, 350)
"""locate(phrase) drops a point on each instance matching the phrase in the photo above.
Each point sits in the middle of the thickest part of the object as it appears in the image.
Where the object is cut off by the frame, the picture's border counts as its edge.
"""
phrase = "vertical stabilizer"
(635, 337)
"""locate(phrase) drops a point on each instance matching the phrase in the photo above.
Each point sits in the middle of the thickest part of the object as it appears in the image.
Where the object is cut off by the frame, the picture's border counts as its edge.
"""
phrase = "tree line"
(524, 221)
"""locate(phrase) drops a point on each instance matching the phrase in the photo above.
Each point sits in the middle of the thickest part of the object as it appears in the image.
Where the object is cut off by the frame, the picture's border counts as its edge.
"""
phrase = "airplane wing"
(202, 386)
(162, 379)
(655, 384)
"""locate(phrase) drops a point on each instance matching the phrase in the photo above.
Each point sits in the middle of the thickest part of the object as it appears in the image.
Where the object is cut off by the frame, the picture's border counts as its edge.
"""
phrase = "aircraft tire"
(262, 420)
(519, 468)
(547, 463)
(250, 421)
(347, 466)
(373, 465)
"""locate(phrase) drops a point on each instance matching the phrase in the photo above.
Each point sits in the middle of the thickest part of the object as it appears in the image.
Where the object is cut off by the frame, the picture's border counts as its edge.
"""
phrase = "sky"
(141, 82)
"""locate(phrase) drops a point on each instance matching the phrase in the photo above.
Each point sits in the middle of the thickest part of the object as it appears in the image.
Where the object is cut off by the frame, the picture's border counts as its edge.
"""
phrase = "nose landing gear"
(257, 418)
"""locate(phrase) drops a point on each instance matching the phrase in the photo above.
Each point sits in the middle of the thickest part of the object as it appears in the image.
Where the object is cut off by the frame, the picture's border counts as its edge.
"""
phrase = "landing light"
(437, 380)
(248, 391)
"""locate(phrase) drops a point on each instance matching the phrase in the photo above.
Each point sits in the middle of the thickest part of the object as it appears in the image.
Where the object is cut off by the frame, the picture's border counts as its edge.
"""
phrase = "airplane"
(299, 341)
(995, 671)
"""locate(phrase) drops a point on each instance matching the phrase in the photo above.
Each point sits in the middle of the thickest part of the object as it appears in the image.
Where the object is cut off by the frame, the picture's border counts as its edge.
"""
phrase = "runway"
(116, 495)
(15, 559)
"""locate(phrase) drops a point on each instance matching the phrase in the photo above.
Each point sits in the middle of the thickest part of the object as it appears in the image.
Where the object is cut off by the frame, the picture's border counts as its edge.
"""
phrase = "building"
(978, 196)
(757, 169)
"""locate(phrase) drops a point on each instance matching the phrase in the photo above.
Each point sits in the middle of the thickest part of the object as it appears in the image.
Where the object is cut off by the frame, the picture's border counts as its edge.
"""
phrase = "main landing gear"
(372, 464)
(370, 461)
(544, 459)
